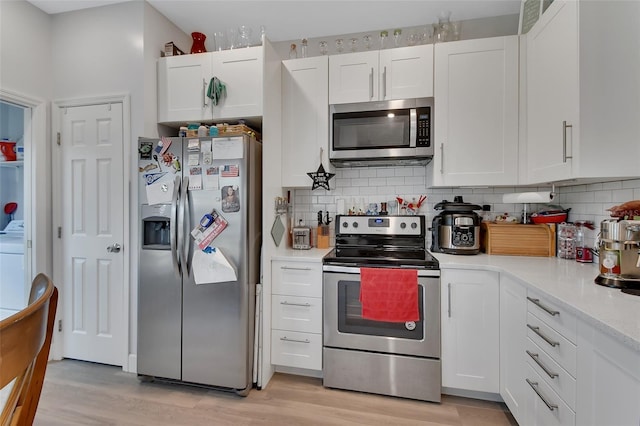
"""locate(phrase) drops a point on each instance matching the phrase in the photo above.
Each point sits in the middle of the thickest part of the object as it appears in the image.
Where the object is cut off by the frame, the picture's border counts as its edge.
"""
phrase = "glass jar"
(566, 241)
(303, 48)
(293, 51)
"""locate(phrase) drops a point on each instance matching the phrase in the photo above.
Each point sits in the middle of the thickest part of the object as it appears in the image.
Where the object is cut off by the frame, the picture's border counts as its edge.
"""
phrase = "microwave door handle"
(384, 83)
(371, 84)
(413, 127)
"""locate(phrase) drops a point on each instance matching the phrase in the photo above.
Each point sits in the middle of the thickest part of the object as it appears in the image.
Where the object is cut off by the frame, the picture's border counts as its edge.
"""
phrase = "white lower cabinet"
(513, 316)
(296, 314)
(470, 330)
(543, 406)
(608, 377)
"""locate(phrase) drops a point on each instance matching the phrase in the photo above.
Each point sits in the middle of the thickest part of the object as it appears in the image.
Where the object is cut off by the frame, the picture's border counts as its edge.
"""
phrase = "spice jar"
(566, 241)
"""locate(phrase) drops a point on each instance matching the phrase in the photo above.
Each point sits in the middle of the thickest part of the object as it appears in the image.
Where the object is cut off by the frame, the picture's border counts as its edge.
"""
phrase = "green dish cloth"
(216, 91)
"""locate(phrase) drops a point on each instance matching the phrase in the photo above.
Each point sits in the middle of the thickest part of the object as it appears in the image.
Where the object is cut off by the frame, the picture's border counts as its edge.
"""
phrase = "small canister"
(566, 241)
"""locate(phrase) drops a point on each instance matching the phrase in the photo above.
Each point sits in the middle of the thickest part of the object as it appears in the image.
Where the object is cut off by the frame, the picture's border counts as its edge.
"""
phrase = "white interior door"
(92, 225)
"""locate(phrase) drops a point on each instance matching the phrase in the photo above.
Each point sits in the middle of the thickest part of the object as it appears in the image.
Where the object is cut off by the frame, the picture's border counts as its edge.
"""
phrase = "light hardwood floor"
(81, 393)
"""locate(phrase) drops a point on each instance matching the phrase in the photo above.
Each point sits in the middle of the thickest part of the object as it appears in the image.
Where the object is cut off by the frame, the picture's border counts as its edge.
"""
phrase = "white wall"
(25, 50)
(25, 76)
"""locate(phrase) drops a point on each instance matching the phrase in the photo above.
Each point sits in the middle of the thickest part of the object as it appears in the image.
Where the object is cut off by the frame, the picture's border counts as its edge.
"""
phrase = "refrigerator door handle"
(186, 239)
(174, 237)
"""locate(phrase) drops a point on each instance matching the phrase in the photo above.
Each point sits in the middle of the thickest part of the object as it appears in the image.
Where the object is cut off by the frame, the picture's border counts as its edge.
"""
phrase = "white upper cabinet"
(476, 112)
(183, 82)
(401, 73)
(182, 88)
(305, 118)
(582, 92)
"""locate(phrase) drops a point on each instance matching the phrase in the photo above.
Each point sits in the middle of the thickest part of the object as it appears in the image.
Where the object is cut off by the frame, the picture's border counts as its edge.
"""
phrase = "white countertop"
(570, 284)
(311, 255)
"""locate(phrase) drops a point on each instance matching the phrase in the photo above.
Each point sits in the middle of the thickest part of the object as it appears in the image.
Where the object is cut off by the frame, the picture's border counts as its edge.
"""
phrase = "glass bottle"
(397, 34)
(293, 51)
(323, 47)
(383, 39)
(303, 48)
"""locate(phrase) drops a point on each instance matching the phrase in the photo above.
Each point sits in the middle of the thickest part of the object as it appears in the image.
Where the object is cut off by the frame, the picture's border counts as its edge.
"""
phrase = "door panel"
(93, 220)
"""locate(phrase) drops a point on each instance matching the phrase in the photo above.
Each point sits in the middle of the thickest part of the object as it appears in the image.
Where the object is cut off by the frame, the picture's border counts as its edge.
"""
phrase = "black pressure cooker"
(456, 229)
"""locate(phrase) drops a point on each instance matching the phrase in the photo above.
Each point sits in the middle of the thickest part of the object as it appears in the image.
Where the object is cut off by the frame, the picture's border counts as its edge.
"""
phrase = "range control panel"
(380, 225)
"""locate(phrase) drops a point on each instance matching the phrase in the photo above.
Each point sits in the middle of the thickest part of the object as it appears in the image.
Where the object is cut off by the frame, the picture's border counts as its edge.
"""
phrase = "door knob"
(114, 248)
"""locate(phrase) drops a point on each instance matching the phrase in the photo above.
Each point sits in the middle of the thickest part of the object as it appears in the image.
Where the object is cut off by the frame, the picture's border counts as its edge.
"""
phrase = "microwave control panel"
(424, 127)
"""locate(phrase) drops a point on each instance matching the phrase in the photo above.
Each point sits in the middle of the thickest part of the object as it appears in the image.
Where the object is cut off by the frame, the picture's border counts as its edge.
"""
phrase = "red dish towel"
(389, 295)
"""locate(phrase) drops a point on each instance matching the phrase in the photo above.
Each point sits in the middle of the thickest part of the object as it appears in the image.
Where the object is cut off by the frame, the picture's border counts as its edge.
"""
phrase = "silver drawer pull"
(541, 365)
(296, 269)
(545, 338)
(534, 386)
(544, 308)
(286, 339)
(306, 305)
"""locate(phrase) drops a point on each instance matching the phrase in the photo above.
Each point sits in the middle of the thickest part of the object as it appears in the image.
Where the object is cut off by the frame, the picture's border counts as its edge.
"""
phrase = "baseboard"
(132, 365)
(487, 396)
(299, 371)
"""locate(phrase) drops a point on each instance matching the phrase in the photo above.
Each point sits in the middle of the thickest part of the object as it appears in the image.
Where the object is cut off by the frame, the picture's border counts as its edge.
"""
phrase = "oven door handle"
(356, 270)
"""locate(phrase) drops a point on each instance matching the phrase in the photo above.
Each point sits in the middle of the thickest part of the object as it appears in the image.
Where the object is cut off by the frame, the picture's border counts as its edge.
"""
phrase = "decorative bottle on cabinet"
(198, 42)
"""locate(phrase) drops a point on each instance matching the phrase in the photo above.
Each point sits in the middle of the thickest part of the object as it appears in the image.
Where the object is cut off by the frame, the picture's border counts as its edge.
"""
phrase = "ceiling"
(291, 20)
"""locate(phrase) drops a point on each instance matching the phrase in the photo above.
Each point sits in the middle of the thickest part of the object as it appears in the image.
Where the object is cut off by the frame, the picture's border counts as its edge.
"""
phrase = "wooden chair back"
(25, 339)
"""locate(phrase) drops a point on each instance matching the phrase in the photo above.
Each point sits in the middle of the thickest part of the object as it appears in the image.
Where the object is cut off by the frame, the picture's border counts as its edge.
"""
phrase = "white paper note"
(210, 179)
(160, 192)
(195, 178)
(225, 149)
(211, 268)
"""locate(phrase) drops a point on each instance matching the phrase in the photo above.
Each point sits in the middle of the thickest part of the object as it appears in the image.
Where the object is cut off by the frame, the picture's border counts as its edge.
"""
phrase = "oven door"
(345, 328)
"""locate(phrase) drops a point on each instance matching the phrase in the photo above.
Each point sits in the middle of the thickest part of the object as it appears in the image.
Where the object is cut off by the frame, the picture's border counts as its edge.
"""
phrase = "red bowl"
(549, 218)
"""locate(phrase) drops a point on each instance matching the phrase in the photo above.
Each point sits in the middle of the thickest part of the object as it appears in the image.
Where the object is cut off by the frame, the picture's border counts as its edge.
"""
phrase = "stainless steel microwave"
(396, 132)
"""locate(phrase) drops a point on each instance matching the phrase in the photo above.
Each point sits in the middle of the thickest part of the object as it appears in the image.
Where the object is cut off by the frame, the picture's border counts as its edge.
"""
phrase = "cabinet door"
(476, 120)
(608, 378)
(552, 93)
(305, 118)
(241, 72)
(182, 86)
(470, 330)
(406, 72)
(513, 317)
(353, 77)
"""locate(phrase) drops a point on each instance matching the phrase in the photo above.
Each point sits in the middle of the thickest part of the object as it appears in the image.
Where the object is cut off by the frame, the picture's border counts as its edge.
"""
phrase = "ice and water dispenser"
(156, 227)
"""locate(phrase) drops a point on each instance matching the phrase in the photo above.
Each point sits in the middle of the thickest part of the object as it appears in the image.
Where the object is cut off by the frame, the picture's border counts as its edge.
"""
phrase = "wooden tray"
(518, 239)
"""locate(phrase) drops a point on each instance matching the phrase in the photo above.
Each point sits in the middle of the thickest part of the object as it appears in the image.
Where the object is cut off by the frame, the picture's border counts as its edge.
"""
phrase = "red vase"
(198, 43)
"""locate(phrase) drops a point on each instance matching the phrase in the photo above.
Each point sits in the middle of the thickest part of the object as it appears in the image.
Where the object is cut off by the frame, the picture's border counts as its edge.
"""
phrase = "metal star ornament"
(320, 178)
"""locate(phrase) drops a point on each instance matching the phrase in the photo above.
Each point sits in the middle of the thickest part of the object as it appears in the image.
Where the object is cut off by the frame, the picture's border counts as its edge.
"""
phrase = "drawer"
(560, 349)
(300, 350)
(558, 318)
(537, 412)
(551, 372)
(294, 313)
(296, 278)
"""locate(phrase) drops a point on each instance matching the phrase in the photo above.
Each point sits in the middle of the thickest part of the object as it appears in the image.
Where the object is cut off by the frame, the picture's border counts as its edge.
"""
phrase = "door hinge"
(59, 231)
(58, 139)
(60, 325)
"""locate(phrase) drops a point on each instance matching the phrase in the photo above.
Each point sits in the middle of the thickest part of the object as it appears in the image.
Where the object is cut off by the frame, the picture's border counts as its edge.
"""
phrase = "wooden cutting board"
(518, 239)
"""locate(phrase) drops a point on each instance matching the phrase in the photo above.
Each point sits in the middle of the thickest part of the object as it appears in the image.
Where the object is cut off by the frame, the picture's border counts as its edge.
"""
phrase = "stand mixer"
(619, 253)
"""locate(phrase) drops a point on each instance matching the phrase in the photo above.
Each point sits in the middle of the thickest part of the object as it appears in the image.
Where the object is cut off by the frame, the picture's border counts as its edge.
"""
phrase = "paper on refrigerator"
(213, 267)
(160, 192)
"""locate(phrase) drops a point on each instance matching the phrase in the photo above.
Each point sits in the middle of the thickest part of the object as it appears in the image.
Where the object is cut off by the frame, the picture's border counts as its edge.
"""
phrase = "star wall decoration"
(320, 178)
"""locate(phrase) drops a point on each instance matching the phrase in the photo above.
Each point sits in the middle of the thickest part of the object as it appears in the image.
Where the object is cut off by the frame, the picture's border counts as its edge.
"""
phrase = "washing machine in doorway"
(13, 288)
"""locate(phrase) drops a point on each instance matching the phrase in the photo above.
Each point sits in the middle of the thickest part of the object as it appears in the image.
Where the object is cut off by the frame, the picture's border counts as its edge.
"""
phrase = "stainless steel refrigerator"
(198, 333)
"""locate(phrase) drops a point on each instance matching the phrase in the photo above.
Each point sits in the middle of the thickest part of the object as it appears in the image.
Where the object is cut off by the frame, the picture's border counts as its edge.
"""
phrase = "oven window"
(371, 130)
(350, 316)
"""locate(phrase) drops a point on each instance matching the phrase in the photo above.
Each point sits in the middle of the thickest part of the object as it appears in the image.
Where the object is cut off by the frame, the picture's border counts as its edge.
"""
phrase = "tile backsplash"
(363, 185)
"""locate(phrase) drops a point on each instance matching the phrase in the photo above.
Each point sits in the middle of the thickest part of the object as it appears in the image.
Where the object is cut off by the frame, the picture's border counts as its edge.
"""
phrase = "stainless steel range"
(390, 358)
